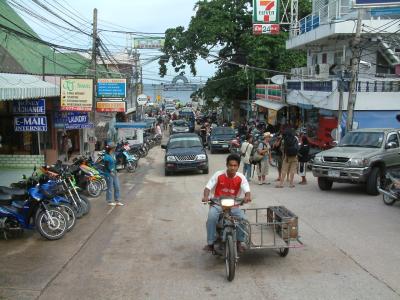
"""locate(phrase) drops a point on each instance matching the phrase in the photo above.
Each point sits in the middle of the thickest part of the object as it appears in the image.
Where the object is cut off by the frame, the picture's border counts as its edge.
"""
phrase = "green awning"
(22, 86)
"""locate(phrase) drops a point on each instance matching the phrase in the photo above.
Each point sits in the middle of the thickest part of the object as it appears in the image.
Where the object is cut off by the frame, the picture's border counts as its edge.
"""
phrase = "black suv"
(220, 138)
(184, 152)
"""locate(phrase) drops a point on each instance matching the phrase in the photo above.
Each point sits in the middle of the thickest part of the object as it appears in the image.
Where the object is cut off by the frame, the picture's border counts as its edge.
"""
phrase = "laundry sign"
(72, 120)
(30, 123)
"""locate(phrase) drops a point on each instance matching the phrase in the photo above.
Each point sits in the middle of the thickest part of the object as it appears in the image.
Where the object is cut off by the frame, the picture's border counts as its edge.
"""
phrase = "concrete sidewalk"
(8, 176)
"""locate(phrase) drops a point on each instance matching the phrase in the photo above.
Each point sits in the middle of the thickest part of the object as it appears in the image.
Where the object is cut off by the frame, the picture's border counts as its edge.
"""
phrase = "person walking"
(290, 147)
(92, 140)
(276, 147)
(264, 149)
(245, 152)
(303, 158)
(111, 176)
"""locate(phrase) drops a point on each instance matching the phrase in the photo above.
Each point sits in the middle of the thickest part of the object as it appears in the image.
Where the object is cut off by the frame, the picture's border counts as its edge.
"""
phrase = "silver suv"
(363, 156)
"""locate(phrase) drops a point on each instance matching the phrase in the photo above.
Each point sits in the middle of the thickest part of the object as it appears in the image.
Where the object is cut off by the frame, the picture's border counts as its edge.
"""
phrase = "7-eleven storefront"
(270, 105)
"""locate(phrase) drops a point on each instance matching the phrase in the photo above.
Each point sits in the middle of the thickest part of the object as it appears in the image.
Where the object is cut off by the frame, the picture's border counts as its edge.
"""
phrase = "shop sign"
(72, 120)
(149, 43)
(29, 107)
(30, 123)
(111, 88)
(76, 94)
(266, 11)
(376, 3)
(272, 92)
(266, 29)
(111, 106)
(272, 117)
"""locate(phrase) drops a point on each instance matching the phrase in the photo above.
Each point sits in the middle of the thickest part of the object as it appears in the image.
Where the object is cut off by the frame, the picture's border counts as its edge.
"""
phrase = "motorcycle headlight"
(171, 158)
(318, 159)
(358, 162)
(201, 157)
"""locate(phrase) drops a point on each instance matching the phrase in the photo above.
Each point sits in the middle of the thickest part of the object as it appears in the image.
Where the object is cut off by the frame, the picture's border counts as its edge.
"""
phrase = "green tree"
(221, 32)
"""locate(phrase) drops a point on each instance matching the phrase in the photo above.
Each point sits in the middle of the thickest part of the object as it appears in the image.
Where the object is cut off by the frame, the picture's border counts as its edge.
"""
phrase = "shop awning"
(270, 104)
(22, 86)
(130, 110)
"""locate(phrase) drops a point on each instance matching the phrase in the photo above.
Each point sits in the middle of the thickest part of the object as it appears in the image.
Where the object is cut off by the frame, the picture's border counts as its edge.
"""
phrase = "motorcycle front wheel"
(131, 167)
(93, 189)
(69, 214)
(51, 224)
(230, 258)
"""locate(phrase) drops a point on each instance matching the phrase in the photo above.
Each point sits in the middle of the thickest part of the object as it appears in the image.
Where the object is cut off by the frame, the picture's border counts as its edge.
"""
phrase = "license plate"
(334, 173)
(225, 146)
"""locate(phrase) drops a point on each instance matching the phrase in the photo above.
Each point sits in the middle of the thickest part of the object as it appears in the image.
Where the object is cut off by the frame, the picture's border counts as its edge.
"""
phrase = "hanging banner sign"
(266, 29)
(376, 3)
(111, 106)
(149, 43)
(29, 107)
(30, 123)
(72, 120)
(111, 88)
(266, 11)
(76, 94)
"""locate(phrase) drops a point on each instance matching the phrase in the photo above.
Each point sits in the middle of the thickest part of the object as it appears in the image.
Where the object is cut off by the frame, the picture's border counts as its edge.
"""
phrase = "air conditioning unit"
(322, 70)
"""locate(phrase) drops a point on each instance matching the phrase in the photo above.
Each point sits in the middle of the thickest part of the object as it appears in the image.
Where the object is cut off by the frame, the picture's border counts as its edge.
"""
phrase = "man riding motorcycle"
(230, 183)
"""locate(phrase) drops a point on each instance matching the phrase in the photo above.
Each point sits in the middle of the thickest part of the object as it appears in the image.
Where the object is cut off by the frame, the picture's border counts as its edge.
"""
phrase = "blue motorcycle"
(29, 209)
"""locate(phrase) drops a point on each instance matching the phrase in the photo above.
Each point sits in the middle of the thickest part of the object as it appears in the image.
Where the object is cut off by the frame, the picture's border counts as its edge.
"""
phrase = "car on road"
(220, 139)
(185, 152)
(362, 156)
(179, 126)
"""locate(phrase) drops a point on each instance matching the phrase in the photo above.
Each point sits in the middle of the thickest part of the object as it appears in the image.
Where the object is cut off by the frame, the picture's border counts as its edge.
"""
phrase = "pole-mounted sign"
(266, 11)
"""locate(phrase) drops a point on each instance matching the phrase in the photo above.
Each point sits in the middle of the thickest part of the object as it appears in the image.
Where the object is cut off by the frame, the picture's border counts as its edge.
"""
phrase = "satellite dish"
(142, 99)
(278, 79)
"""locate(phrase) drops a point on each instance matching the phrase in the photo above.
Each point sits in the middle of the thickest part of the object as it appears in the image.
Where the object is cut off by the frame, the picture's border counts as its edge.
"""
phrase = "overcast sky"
(136, 15)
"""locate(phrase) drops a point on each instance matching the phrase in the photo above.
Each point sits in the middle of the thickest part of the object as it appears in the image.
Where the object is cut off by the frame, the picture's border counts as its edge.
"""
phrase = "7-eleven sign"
(265, 11)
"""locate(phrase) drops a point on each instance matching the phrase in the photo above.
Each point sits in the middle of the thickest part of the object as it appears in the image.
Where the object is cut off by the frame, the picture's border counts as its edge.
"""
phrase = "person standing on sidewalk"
(245, 151)
(290, 147)
(303, 158)
(264, 149)
(111, 176)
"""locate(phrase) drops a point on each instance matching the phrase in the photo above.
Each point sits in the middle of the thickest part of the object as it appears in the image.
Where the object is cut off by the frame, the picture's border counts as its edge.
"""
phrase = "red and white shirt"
(226, 186)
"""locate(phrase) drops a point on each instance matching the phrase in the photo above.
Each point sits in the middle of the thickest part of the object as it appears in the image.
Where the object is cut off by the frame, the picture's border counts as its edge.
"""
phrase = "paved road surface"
(151, 248)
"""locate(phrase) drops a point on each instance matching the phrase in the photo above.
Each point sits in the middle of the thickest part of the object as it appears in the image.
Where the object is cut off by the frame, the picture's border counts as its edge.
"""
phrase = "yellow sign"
(76, 94)
(272, 116)
(158, 98)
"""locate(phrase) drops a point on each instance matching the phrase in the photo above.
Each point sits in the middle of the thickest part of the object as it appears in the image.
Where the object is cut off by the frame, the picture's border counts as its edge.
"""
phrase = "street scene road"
(152, 247)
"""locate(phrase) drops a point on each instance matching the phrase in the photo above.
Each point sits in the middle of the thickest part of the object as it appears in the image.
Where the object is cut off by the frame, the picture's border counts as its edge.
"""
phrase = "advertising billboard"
(76, 94)
(111, 88)
(111, 106)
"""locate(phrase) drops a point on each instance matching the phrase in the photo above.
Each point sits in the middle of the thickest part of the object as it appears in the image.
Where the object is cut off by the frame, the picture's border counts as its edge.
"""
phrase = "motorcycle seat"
(13, 191)
(5, 198)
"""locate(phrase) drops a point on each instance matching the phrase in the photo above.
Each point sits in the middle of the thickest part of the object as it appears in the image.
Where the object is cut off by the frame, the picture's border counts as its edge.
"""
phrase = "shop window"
(294, 85)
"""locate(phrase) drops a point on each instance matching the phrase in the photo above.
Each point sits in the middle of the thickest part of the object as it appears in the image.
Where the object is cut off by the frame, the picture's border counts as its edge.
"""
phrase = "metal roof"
(22, 86)
(270, 104)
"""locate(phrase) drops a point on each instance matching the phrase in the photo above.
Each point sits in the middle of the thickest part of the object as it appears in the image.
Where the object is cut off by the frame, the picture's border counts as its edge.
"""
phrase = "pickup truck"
(362, 156)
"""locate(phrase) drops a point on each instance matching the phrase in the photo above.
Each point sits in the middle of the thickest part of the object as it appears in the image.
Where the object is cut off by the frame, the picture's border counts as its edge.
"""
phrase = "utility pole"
(341, 90)
(355, 60)
(136, 74)
(94, 57)
(94, 70)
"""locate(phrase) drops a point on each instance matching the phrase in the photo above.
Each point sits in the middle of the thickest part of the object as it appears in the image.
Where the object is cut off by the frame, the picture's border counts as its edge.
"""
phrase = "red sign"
(111, 106)
(266, 29)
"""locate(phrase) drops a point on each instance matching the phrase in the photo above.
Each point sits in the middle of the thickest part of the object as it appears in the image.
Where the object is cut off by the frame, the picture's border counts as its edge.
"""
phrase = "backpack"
(291, 146)
(255, 157)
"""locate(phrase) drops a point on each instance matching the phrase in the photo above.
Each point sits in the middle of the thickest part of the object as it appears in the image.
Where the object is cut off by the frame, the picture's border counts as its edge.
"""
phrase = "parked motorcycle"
(390, 188)
(32, 211)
